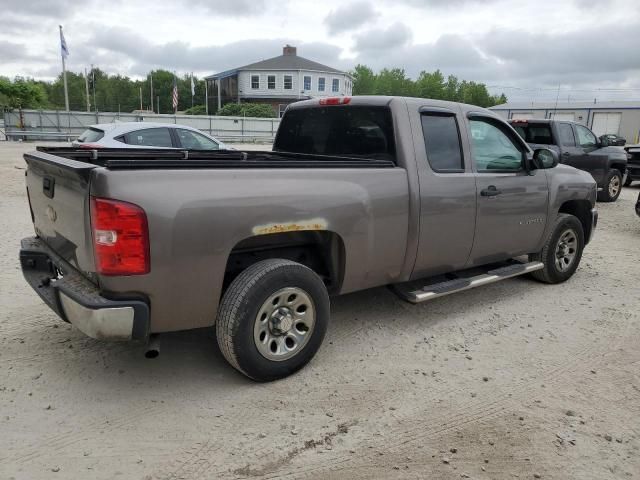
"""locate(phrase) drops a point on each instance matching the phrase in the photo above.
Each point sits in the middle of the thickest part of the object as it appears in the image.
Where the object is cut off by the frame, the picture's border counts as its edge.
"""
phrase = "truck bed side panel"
(196, 217)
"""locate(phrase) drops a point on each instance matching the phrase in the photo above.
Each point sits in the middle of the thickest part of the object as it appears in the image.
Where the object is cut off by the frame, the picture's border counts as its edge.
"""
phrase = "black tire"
(551, 273)
(627, 180)
(606, 195)
(243, 301)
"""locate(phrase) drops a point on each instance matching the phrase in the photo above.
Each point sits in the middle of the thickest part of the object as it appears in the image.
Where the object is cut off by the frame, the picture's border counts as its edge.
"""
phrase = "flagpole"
(64, 76)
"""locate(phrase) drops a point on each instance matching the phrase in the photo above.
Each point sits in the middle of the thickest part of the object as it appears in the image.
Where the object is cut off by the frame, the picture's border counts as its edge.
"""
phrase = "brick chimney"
(289, 50)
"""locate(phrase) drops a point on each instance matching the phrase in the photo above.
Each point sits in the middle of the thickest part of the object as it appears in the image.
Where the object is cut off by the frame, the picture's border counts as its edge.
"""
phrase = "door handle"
(565, 154)
(490, 191)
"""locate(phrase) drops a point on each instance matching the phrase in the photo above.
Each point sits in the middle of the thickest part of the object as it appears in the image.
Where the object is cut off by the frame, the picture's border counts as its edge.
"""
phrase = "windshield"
(91, 135)
(348, 131)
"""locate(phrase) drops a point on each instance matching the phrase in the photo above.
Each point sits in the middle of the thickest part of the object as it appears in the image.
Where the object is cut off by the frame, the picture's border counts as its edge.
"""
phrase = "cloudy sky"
(526, 48)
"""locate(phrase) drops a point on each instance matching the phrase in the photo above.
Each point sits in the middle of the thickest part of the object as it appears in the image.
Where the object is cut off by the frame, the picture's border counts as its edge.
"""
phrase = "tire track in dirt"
(470, 411)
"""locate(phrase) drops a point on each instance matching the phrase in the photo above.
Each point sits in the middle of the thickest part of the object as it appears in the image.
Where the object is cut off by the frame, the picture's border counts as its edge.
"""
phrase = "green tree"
(430, 85)
(393, 82)
(364, 80)
(22, 93)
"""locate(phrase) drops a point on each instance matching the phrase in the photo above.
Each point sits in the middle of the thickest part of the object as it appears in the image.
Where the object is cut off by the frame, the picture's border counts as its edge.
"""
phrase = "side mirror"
(604, 141)
(545, 158)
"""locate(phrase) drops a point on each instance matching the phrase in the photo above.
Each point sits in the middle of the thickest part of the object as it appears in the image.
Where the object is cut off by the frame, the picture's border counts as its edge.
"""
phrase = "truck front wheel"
(612, 187)
(561, 252)
(272, 319)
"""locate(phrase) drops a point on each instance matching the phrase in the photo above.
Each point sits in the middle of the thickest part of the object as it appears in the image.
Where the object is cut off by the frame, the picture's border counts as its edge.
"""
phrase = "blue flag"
(63, 45)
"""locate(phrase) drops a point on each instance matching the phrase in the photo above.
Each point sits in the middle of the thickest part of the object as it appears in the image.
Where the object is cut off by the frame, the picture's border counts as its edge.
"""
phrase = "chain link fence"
(66, 126)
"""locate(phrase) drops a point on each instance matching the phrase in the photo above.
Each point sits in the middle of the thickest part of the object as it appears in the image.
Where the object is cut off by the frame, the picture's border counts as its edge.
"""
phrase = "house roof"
(611, 105)
(282, 62)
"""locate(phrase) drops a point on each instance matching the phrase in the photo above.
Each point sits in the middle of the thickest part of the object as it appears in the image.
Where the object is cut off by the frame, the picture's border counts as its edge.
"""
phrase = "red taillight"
(335, 100)
(120, 237)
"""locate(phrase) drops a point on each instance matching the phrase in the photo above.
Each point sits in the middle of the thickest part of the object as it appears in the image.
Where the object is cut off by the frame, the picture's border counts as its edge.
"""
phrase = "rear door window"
(91, 135)
(442, 143)
(150, 137)
(350, 131)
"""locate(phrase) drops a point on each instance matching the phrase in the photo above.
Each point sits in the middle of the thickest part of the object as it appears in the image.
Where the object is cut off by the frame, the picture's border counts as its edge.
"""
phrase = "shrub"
(196, 110)
(260, 110)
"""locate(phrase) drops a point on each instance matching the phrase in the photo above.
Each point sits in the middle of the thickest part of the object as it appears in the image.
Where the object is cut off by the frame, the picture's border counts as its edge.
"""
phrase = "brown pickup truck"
(430, 197)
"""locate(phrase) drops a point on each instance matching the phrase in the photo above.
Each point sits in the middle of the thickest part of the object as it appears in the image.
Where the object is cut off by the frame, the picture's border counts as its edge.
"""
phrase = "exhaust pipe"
(153, 346)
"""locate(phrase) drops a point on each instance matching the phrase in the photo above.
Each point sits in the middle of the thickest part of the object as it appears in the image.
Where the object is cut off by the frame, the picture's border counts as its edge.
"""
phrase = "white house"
(278, 81)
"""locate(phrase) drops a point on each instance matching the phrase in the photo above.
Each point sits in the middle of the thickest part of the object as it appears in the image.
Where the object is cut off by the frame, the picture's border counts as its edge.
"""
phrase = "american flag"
(175, 94)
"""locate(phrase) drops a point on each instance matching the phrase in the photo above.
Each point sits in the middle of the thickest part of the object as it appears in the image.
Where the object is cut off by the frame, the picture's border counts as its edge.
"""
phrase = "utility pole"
(151, 91)
(86, 87)
(206, 96)
(158, 104)
(93, 85)
(141, 98)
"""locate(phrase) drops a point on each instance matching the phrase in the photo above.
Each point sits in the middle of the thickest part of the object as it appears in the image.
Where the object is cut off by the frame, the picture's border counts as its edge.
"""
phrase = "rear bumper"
(78, 301)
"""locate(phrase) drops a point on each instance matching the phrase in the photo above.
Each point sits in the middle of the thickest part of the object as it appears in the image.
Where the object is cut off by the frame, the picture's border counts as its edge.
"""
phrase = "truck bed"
(153, 158)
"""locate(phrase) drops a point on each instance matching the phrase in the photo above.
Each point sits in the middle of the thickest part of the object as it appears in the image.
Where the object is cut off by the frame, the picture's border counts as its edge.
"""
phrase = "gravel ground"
(512, 380)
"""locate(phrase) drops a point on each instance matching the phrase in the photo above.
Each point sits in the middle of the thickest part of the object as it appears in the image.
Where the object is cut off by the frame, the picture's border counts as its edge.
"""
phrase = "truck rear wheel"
(272, 319)
(612, 187)
(562, 251)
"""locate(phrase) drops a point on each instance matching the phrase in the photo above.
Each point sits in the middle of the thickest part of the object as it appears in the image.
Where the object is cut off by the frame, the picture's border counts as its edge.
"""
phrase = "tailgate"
(58, 190)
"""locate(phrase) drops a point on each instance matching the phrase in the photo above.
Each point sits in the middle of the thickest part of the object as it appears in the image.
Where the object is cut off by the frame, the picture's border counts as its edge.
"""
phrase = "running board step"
(460, 284)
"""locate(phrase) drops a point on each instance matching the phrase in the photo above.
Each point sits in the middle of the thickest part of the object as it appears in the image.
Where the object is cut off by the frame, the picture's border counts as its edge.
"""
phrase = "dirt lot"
(513, 380)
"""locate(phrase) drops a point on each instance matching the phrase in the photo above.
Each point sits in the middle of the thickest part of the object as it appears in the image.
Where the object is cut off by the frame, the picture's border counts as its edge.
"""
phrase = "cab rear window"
(91, 135)
(349, 131)
(534, 132)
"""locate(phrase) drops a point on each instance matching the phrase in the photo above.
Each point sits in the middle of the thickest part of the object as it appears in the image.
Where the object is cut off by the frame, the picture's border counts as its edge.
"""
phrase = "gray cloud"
(232, 8)
(379, 40)
(121, 46)
(10, 51)
(350, 17)
(37, 8)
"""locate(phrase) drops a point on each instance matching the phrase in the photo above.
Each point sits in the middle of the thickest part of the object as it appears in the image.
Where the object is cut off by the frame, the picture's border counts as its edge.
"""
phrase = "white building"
(278, 81)
(620, 118)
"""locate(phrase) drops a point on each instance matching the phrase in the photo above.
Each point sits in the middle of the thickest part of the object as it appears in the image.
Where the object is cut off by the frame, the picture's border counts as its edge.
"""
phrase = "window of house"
(492, 149)
(321, 81)
(288, 82)
(335, 86)
(307, 82)
(442, 142)
(271, 82)
(255, 82)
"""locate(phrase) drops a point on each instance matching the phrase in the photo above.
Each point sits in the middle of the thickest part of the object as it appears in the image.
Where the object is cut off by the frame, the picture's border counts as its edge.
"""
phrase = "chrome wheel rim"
(566, 250)
(284, 324)
(614, 186)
